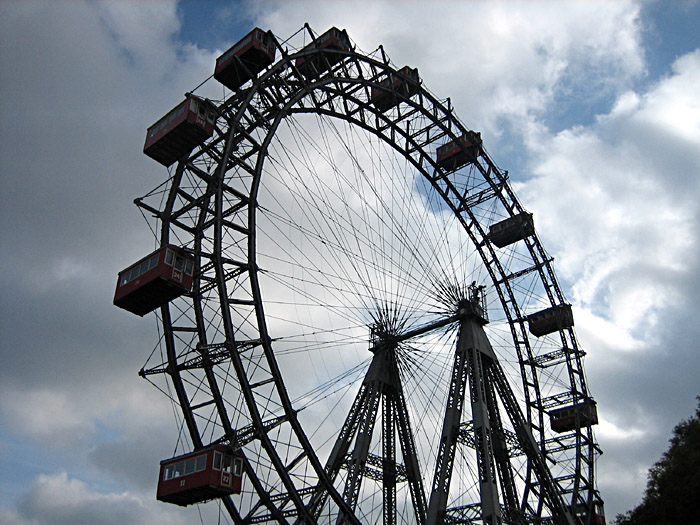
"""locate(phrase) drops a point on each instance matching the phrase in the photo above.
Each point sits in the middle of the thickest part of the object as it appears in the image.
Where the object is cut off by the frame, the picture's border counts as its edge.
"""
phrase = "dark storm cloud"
(87, 79)
(74, 117)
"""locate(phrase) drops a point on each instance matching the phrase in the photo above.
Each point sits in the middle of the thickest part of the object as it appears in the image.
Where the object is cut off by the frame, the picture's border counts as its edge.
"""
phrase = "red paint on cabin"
(199, 476)
(564, 419)
(316, 64)
(177, 133)
(404, 83)
(458, 153)
(597, 517)
(550, 320)
(155, 280)
(245, 59)
(512, 229)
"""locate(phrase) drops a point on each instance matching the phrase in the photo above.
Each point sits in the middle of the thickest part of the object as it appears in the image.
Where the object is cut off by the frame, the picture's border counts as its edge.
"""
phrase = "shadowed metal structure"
(323, 226)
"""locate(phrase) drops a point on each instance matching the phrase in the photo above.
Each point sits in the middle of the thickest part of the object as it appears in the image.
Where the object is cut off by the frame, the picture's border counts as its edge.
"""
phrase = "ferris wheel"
(359, 322)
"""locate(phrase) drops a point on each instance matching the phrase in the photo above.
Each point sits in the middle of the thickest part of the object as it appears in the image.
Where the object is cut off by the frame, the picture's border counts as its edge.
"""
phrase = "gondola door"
(226, 476)
(178, 269)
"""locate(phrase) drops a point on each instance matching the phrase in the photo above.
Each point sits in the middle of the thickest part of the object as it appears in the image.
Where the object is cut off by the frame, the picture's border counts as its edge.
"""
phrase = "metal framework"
(304, 253)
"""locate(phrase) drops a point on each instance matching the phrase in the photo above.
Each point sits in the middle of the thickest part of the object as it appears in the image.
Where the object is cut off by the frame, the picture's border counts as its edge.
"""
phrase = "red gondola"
(245, 59)
(564, 419)
(177, 133)
(580, 513)
(334, 38)
(550, 320)
(404, 82)
(155, 280)
(512, 229)
(199, 476)
(455, 154)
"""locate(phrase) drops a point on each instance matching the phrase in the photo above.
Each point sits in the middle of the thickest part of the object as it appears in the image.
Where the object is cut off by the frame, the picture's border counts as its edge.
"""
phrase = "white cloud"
(599, 332)
(57, 499)
(144, 32)
(622, 228)
(617, 203)
(69, 416)
(672, 106)
(47, 416)
(493, 59)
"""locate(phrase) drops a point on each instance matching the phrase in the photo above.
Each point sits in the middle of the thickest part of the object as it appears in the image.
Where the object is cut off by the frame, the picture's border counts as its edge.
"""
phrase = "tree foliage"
(673, 487)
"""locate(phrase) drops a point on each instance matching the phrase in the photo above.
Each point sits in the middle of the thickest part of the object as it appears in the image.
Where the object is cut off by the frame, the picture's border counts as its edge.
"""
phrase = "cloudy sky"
(593, 108)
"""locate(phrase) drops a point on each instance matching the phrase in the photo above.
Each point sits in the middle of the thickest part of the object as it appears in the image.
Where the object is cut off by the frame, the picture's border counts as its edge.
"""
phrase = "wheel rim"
(233, 346)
